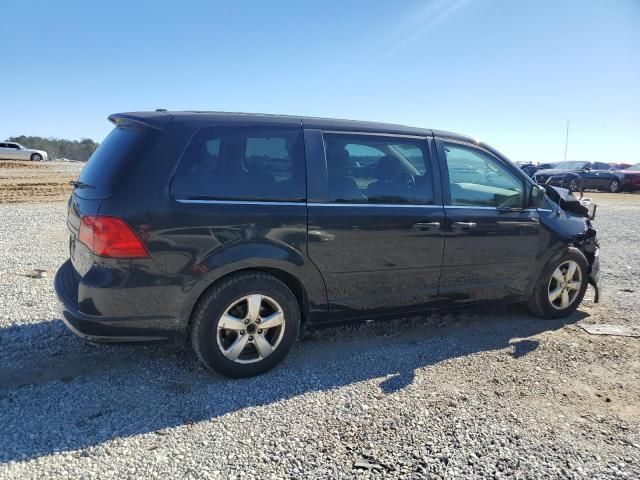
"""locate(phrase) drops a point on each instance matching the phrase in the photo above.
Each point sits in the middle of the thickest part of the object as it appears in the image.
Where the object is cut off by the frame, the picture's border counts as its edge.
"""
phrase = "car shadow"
(59, 394)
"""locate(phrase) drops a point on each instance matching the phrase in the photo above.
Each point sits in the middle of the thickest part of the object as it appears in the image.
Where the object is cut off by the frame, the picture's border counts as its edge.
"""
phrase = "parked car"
(547, 165)
(619, 166)
(241, 230)
(526, 167)
(15, 151)
(631, 177)
(578, 176)
(531, 168)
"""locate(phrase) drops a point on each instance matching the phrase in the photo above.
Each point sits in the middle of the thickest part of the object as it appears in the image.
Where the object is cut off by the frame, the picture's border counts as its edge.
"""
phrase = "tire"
(540, 303)
(614, 186)
(36, 157)
(228, 303)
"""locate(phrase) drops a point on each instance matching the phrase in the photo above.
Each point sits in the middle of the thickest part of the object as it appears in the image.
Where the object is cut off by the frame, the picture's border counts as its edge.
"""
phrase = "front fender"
(565, 230)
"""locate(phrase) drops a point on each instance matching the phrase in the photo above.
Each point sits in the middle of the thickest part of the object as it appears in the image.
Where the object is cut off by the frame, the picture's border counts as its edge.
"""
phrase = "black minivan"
(242, 229)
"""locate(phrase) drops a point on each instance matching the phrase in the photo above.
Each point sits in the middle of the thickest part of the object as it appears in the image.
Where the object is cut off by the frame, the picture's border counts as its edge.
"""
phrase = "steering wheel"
(405, 178)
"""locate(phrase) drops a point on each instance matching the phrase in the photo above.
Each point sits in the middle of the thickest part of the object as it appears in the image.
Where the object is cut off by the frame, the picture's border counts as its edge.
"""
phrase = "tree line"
(58, 147)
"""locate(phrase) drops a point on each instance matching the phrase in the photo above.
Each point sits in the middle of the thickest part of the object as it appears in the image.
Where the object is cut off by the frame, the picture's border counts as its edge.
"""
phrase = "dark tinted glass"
(123, 148)
(378, 169)
(243, 163)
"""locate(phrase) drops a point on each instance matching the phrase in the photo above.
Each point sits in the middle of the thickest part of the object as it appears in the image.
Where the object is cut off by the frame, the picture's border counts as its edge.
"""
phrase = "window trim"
(446, 181)
(374, 134)
(431, 159)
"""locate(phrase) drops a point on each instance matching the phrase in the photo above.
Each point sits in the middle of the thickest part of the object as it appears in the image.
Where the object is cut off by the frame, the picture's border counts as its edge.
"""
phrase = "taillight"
(110, 237)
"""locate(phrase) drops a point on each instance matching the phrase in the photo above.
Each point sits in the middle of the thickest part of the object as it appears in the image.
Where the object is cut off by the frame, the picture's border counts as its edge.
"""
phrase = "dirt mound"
(34, 191)
(21, 164)
(22, 181)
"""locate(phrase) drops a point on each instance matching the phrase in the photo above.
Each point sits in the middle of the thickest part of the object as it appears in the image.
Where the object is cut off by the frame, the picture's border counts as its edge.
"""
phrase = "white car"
(15, 151)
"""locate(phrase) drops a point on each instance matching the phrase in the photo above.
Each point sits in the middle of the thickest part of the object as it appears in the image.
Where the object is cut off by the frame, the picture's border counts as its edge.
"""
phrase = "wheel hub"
(565, 285)
(250, 329)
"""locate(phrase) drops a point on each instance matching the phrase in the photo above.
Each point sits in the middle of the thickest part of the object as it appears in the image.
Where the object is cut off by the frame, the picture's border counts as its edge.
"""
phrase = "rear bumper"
(99, 328)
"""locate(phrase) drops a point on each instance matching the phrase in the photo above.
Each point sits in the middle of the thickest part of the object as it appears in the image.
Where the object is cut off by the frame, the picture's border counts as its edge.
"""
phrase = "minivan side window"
(378, 169)
(478, 179)
(243, 163)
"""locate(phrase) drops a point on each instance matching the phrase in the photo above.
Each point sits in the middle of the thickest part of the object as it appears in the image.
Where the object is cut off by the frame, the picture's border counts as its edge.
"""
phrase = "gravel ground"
(493, 394)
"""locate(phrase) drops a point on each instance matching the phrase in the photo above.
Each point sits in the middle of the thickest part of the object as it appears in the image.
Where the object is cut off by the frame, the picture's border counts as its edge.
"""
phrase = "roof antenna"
(566, 143)
(161, 109)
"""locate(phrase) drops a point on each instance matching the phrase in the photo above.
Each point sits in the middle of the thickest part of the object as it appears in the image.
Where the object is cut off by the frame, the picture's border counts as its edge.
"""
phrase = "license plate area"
(81, 257)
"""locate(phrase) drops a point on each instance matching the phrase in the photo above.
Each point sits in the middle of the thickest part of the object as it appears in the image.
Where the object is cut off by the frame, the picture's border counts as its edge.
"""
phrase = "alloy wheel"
(573, 186)
(614, 186)
(250, 329)
(565, 284)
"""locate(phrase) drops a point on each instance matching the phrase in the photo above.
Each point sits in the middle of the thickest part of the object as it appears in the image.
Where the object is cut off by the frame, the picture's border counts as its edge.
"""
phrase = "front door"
(599, 176)
(492, 241)
(13, 151)
(376, 233)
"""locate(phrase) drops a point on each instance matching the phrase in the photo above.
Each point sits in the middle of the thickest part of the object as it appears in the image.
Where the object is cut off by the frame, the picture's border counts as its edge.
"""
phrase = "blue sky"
(508, 72)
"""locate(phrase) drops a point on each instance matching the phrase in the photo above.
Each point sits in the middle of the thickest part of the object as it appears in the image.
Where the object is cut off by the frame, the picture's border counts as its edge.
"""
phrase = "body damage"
(572, 221)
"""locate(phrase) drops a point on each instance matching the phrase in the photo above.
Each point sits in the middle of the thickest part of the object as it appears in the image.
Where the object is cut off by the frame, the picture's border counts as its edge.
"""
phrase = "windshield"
(572, 165)
(634, 168)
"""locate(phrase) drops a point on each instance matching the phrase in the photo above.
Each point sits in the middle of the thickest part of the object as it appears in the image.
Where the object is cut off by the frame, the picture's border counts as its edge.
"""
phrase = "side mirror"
(536, 196)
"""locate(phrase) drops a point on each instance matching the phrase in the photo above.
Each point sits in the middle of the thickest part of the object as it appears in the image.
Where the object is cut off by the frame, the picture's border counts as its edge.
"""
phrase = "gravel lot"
(493, 394)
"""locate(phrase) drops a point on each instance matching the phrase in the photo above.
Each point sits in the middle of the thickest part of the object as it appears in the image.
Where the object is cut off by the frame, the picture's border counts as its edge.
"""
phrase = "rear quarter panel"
(193, 244)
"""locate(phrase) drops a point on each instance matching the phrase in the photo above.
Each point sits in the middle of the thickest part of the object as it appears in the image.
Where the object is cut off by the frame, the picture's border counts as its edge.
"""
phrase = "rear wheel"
(36, 157)
(561, 286)
(614, 186)
(246, 325)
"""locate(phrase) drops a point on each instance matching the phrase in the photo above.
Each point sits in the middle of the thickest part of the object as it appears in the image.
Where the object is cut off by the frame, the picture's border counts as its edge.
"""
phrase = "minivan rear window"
(107, 168)
(243, 163)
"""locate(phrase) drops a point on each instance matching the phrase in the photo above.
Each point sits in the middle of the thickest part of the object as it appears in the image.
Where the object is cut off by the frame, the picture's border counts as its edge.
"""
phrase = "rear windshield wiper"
(79, 184)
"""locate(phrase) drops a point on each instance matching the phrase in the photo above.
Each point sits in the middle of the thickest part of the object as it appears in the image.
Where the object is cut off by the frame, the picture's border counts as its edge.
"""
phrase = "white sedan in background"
(15, 151)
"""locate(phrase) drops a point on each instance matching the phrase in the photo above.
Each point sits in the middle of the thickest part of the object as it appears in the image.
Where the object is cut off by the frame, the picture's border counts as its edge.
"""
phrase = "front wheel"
(574, 185)
(561, 286)
(36, 157)
(245, 325)
(614, 186)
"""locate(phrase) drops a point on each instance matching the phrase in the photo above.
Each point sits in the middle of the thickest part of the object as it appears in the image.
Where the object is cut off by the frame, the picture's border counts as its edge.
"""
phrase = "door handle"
(464, 225)
(425, 225)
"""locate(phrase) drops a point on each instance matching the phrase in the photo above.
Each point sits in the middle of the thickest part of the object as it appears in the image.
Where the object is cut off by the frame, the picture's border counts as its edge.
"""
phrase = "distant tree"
(58, 147)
